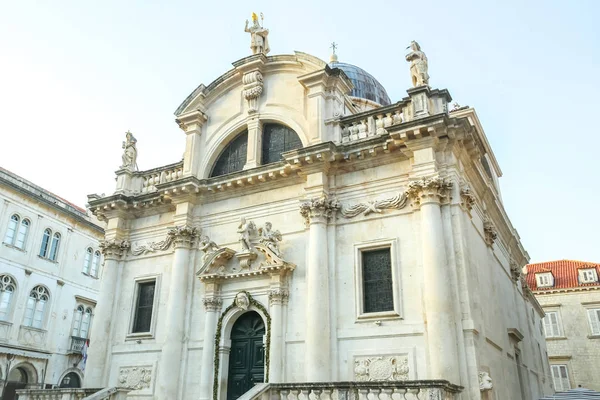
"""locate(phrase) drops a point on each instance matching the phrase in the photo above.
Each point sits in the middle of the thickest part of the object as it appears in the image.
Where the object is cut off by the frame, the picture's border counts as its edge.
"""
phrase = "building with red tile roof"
(569, 293)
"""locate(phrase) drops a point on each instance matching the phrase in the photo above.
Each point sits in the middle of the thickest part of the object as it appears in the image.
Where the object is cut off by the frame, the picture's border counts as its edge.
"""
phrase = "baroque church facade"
(315, 232)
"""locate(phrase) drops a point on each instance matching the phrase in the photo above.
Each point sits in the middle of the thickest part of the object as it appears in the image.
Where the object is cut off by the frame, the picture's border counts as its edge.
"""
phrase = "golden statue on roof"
(259, 42)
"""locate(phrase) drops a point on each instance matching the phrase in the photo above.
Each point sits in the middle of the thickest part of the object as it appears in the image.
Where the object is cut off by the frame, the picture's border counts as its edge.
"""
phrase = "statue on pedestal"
(259, 42)
(130, 154)
(418, 65)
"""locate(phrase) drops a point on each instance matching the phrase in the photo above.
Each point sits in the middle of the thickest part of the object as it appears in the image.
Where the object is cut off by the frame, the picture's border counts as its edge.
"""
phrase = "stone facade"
(42, 345)
(391, 178)
(574, 345)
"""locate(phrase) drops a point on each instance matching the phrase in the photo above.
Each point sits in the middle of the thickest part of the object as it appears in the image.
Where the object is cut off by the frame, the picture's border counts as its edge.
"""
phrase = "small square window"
(588, 275)
(545, 279)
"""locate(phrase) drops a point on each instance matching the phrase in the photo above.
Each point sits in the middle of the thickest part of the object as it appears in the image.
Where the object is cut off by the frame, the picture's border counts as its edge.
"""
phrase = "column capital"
(184, 236)
(429, 190)
(278, 296)
(114, 249)
(319, 209)
(212, 303)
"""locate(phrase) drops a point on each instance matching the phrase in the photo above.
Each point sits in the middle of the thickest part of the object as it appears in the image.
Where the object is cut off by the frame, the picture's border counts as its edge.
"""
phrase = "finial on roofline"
(333, 57)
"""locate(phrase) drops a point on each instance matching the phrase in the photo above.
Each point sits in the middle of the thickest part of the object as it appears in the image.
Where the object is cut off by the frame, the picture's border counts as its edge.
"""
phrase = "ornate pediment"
(259, 254)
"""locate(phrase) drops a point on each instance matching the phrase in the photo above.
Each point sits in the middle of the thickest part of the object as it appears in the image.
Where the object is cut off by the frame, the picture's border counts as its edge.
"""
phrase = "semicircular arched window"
(278, 139)
(233, 157)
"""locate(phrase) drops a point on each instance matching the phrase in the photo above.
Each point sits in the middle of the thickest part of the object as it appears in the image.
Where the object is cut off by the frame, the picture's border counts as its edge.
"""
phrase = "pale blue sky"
(75, 75)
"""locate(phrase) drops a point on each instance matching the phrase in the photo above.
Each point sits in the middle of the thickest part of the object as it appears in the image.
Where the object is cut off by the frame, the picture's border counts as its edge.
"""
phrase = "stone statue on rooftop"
(130, 152)
(259, 42)
(418, 65)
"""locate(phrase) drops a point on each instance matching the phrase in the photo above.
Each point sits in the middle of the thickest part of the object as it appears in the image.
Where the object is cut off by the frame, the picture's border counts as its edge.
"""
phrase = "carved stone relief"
(242, 301)
(381, 368)
(114, 248)
(253, 242)
(319, 209)
(253, 88)
(467, 198)
(135, 378)
(485, 381)
(429, 189)
(397, 202)
(489, 231)
(180, 236)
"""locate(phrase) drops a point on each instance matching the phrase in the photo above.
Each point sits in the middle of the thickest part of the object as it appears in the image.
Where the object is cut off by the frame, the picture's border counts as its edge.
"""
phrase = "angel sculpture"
(270, 238)
(247, 230)
(207, 246)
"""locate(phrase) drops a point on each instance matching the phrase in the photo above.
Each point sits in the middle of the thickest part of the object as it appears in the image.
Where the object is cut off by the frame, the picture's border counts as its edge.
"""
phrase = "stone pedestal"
(170, 358)
(317, 213)
(441, 326)
(100, 337)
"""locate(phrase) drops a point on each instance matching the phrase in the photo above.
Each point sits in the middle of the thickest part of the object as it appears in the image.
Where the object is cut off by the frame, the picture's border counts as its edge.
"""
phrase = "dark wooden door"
(11, 388)
(247, 357)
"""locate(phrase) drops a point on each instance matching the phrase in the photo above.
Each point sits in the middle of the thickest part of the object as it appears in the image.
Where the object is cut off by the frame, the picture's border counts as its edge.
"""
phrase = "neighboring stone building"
(49, 266)
(315, 232)
(569, 292)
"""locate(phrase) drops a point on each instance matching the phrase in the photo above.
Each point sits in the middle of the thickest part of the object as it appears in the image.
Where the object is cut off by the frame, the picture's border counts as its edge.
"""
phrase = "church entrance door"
(247, 357)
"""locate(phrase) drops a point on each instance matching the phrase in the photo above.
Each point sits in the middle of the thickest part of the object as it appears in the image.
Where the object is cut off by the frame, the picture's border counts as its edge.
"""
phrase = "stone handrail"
(167, 173)
(112, 393)
(365, 126)
(380, 390)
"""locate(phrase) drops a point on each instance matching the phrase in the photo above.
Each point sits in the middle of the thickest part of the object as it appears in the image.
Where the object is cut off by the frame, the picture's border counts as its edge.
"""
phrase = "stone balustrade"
(362, 127)
(77, 344)
(376, 390)
(112, 393)
(167, 173)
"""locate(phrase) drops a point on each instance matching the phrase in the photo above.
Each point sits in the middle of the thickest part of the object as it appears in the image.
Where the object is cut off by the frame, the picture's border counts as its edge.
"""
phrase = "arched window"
(82, 321)
(87, 261)
(233, 157)
(71, 380)
(7, 290)
(22, 234)
(278, 139)
(95, 263)
(54, 246)
(12, 229)
(36, 307)
(45, 243)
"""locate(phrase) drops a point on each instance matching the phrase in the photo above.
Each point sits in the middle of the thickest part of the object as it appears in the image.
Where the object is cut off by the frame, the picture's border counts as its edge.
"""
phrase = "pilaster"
(191, 123)
(254, 151)
(212, 306)
(100, 353)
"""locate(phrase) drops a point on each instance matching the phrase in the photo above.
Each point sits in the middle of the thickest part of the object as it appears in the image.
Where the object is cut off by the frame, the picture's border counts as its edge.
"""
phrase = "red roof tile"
(565, 274)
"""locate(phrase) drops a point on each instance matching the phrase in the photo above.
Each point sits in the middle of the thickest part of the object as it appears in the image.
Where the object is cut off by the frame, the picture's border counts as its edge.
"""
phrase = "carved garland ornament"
(489, 231)
(397, 202)
(232, 306)
(135, 378)
(181, 235)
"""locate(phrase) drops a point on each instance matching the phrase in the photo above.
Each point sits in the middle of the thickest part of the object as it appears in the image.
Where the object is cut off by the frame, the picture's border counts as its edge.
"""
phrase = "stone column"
(254, 151)
(317, 213)
(212, 306)
(438, 294)
(100, 338)
(184, 238)
(277, 298)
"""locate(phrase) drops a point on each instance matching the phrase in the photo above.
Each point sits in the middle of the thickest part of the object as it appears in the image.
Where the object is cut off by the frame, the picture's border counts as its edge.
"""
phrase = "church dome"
(365, 85)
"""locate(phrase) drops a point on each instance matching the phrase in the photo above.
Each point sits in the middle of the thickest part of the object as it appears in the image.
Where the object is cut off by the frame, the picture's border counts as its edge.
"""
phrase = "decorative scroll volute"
(429, 190)
(319, 209)
(115, 248)
(253, 88)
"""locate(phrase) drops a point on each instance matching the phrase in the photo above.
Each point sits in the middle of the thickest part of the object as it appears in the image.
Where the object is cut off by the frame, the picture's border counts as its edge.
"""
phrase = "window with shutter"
(594, 318)
(551, 324)
(560, 377)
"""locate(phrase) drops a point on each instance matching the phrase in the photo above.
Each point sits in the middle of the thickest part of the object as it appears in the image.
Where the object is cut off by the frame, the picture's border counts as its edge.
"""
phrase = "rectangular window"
(588, 275)
(143, 307)
(560, 377)
(378, 289)
(594, 318)
(551, 324)
(545, 280)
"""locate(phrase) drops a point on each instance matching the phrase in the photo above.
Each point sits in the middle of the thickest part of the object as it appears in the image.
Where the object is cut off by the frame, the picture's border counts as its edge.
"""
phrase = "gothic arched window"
(7, 290)
(36, 307)
(45, 243)
(16, 234)
(87, 261)
(278, 139)
(233, 157)
(81, 321)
